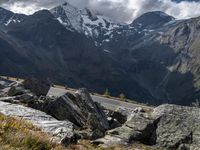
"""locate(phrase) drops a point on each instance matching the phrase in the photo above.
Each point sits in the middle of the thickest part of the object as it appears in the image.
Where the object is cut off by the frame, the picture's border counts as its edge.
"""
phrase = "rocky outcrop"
(77, 116)
(16, 90)
(91, 109)
(79, 108)
(27, 91)
(34, 86)
(139, 127)
(38, 87)
(4, 82)
(177, 126)
(61, 131)
(169, 126)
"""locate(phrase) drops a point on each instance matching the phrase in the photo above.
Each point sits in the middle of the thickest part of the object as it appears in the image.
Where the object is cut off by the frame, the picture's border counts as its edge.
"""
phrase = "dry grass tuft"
(17, 134)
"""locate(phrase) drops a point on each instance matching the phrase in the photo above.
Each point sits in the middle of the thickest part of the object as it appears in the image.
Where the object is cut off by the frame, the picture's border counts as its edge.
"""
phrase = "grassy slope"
(22, 135)
(17, 134)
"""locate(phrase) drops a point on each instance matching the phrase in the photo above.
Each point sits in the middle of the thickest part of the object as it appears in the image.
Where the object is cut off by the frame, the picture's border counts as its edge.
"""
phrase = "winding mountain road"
(108, 103)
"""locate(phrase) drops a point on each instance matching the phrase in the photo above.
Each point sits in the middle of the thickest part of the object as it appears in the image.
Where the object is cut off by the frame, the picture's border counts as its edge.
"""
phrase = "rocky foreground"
(76, 116)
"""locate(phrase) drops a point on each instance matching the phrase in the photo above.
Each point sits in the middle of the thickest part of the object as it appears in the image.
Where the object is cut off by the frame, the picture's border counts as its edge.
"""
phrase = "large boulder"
(80, 109)
(93, 111)
(60, 131)
(16, 91)
(120, 117)
(139, 127)
(167, 126)
(64, 108)
(177, 126)
(38, 87)
(4, 83)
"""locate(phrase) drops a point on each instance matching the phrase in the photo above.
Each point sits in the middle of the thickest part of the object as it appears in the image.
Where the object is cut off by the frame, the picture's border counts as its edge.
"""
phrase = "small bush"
(107, 93)
(122, 97)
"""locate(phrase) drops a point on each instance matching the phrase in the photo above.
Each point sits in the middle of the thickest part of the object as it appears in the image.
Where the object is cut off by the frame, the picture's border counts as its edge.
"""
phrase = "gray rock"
(38, 87)
(89, 134)
(121, 118)
(80, 109)
(139, 109)
(61, 131)
(139, 127)
(168, 126)
(9, 100)
(177, 125)
(27, 91)
(26, 98)
(114, 123)
(4, 91)
(16, 90)
(64, 108)
(5, 83)
(92, 110)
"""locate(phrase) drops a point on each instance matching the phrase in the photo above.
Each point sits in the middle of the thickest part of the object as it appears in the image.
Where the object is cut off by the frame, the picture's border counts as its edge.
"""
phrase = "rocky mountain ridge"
(152, 60)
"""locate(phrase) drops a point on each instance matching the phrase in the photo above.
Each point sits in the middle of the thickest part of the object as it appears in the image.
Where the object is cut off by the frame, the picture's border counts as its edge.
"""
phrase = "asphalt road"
(108, 103)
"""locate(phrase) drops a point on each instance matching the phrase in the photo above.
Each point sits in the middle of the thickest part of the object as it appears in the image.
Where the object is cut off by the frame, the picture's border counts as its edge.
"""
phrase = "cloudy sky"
(118, 10)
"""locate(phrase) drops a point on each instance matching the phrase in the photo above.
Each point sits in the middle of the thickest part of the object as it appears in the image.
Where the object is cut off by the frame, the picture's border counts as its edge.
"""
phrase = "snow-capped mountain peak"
(84, 21)
(68, 15)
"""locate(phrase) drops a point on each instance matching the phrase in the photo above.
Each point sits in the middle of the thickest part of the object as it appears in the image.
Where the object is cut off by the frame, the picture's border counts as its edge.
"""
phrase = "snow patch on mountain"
(102, 29)
(84, 21)
(13, 19)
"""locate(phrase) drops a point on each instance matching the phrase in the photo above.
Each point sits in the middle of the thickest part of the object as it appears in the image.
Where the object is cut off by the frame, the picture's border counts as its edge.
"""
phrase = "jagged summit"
(68, 15)
(90, 13)
(84, 21)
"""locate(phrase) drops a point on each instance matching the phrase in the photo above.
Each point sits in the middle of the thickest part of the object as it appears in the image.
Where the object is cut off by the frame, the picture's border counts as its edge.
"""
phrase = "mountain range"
(154, 59)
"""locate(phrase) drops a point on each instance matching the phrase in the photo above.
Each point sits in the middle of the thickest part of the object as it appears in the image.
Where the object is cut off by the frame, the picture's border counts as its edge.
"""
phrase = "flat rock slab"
(58, 129)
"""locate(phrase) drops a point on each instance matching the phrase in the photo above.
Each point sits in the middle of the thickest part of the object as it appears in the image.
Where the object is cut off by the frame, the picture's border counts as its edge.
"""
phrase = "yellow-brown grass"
(17, 134)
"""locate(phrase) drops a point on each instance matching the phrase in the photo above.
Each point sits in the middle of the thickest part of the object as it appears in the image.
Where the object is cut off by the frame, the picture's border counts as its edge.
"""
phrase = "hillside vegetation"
(18, 134)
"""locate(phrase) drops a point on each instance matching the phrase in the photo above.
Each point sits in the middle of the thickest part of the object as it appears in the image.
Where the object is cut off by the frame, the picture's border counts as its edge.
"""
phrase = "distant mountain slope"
(155, 59)
(46, 49)
(84, 21)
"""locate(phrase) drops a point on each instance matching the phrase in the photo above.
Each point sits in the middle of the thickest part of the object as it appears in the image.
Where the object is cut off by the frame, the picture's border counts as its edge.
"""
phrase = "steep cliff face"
(183, 39)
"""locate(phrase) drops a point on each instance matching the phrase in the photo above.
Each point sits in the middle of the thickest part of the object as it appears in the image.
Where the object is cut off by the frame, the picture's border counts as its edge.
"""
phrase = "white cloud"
(182, 10)
(119, 10)
(21, 7)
